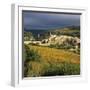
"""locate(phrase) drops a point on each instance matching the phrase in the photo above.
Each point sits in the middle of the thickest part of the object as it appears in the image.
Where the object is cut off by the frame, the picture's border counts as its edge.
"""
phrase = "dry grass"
(52, 62)
(56, 55)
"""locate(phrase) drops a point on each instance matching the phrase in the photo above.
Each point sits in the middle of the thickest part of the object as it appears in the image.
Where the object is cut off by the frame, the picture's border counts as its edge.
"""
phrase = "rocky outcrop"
(64, 40)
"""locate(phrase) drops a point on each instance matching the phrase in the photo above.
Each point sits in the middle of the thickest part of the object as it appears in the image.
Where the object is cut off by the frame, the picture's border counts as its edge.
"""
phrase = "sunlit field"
(46, 61)
(56, 55)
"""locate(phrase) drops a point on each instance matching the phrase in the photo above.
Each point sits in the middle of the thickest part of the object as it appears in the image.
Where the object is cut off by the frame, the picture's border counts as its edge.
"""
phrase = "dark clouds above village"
(39, 20)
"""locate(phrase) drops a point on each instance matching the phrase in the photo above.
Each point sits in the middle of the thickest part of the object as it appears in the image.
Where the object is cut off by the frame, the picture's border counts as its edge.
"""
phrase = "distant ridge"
(44, 33)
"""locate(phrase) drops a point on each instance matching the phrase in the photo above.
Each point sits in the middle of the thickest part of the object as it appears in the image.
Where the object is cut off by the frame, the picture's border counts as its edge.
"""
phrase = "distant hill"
(70, 31)
(73, 27)
(36, 33)
(40, 34)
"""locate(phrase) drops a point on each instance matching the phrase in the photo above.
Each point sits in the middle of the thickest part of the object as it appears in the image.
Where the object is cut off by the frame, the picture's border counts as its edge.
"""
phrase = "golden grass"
(52, 55)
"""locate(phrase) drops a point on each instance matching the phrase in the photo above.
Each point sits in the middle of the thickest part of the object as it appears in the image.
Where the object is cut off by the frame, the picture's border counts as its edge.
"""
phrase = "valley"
(52, 52)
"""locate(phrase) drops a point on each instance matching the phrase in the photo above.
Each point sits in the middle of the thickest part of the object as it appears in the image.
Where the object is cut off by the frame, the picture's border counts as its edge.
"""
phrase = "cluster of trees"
(28, 36)
(74, 34)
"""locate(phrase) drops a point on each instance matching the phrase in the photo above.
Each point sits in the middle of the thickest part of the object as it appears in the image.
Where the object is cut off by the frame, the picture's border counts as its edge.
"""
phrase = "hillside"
(40, 34)
(70, 31)
(45, 61)
(56, 55)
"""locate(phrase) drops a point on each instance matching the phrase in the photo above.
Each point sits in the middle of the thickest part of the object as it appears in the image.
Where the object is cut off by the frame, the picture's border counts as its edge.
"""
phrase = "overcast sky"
(39, 20)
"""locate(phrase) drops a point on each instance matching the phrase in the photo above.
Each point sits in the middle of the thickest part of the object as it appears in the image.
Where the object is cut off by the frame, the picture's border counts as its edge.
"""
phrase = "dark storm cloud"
(39, 20)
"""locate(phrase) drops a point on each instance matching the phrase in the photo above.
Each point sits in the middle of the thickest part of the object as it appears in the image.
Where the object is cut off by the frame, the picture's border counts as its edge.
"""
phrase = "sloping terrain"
(56, 55)
(45, 61)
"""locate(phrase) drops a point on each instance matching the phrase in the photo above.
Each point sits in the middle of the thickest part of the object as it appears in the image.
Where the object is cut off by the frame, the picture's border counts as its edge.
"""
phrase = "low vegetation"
(45, 61)
(66, 47)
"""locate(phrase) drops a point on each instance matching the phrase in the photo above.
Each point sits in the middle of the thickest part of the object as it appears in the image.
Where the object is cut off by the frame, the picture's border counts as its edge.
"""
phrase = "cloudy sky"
(39, 20)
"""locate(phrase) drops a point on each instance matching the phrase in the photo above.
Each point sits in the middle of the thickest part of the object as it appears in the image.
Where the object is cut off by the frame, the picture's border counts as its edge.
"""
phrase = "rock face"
(64, 40)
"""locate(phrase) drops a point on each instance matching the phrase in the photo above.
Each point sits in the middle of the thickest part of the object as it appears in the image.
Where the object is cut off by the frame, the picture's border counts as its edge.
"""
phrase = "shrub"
(62, 69)
(62, 46)
(31, 54)
(55, 69)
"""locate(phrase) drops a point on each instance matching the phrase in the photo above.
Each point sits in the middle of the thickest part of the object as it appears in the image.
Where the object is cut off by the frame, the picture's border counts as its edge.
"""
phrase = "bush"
(62, 69)
(30, 54)
(55, 69)
(62, 46)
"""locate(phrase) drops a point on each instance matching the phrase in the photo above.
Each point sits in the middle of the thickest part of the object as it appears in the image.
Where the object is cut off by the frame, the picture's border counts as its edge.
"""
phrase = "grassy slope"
(67, 31)
(52, 62)
(57, 55)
